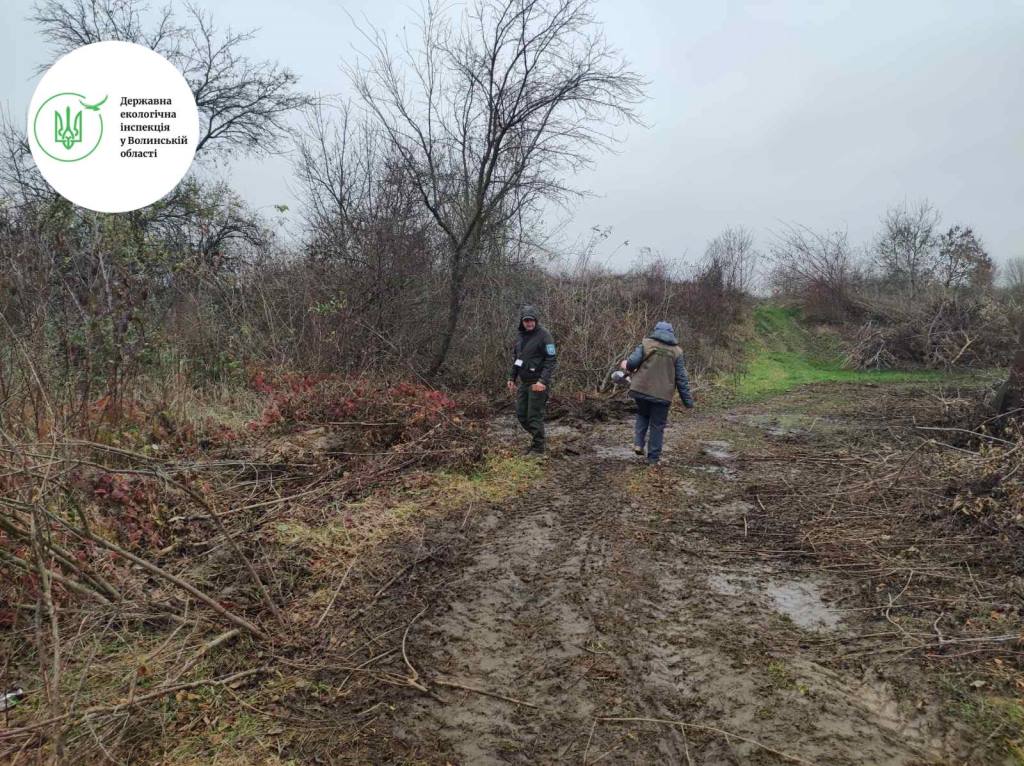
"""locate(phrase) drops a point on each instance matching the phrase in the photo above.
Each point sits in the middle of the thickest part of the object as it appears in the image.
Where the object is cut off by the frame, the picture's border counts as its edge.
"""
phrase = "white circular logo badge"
(113, 126)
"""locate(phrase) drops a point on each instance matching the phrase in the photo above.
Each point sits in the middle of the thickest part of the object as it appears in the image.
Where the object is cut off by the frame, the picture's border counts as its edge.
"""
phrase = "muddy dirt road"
(610, 615)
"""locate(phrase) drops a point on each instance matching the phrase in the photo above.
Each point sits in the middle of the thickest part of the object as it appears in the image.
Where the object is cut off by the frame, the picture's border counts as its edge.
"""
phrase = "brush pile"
(129, 560)
(987, 491)
(942, 333)
(929, 522)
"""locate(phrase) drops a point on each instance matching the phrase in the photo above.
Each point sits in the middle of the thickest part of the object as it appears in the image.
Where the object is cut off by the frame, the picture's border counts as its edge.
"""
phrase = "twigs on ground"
(99, 711)
(133, 535)
(334, 596)
(169, 577)
(223, 638)
(476, 690)
(412, 680)
(911, 521)
(398, 576)
(701, 727)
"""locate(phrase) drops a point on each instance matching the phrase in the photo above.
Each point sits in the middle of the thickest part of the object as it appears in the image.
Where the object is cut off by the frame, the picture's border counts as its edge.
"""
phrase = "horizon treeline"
(422, 208)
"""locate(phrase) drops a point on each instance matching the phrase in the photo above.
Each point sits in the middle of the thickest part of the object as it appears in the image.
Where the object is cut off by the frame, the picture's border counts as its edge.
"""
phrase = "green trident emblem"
(65, 131)
(77, 126)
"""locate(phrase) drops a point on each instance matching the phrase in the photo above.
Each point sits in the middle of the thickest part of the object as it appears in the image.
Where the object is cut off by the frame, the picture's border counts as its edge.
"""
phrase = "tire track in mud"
(520, 622)
(588, 601)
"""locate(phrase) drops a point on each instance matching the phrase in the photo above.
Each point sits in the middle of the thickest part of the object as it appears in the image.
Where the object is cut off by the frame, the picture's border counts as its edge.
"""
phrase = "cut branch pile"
(930, 524)
(947, 332)
(129, 569)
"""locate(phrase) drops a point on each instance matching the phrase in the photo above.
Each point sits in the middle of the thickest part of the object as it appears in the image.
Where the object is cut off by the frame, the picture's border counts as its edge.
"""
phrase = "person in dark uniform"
(533, 364)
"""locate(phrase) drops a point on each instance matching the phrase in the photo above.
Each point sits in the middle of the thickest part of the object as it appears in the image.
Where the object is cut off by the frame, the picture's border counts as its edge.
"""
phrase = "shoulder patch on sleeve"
(549, 349)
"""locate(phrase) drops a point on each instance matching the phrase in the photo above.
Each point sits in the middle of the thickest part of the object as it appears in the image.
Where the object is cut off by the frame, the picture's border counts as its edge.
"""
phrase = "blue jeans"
(651, 418)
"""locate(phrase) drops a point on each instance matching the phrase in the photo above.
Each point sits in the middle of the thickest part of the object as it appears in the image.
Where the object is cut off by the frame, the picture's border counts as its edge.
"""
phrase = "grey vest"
(657, 375)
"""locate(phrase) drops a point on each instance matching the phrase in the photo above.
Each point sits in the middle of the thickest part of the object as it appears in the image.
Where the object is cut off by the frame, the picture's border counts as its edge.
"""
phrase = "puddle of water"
(786, 420)
(801, 601)
(558, 430)
(731, 512)
(804, 605)
(717, 470)
(788, 434)
(507, 429)
(721, 584)
(717, 450)
(616, 452)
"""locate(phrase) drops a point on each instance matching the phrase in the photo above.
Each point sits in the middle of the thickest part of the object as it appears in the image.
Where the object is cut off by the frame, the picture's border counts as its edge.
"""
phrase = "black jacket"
(533, 356)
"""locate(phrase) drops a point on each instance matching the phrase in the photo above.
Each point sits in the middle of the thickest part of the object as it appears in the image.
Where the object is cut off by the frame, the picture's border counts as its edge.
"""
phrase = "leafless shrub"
(817, 269)
(598, 316)
(20, 179)
(904, 252)
(1015, 278)
(732, 256)
(92, 295)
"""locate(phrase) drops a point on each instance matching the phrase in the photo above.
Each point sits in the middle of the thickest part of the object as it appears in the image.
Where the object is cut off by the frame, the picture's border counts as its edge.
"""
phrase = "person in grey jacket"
(658, 370)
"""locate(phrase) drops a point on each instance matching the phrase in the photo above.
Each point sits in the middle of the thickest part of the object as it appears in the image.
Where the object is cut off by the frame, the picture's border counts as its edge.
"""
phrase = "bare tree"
(70, 24)
(961, 260)
(330, 175)
(243, 104)
(905, 251)
(490, 112)
(113, 278)
(1015, 277)
(365, 223)
(20, 179)
(732, 255)
(818, 268)
(342, 167)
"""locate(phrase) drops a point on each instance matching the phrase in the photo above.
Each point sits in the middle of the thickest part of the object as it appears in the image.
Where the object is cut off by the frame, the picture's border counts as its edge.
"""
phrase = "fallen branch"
(163, 574)
(222, 638)
(475, 690)
(337, 590)
(218, 522)
(414, 676)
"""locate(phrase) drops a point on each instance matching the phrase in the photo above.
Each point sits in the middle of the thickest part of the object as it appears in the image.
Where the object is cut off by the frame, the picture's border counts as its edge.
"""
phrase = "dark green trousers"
(530, 407)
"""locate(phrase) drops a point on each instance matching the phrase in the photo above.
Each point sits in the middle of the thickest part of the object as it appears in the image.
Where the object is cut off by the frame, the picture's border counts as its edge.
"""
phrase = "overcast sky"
(760, 113)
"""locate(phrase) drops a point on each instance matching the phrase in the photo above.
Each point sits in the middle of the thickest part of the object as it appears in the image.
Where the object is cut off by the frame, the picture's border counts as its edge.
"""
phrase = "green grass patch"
(775, 372)
(784, 355)
(499, 478)
(996, 721)
(351, 527)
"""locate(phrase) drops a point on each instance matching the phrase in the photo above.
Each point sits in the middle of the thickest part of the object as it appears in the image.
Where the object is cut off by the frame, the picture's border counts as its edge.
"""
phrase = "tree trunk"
(454, 310)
